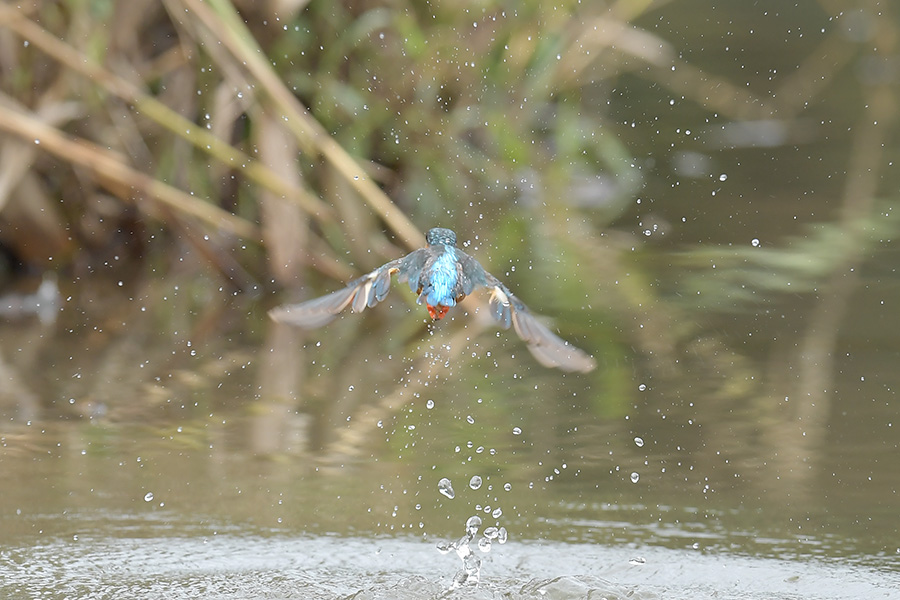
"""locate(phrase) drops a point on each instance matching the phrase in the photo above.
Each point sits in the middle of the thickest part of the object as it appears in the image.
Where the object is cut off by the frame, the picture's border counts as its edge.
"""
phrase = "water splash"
(470, 573)
(471, 568)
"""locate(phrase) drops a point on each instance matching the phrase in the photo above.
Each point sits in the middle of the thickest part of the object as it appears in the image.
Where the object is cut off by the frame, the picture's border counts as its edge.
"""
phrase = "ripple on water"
(232, 565)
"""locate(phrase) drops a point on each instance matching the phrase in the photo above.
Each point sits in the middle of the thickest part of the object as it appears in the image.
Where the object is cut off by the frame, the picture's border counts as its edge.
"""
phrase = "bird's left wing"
(548, 348)
(368, 290)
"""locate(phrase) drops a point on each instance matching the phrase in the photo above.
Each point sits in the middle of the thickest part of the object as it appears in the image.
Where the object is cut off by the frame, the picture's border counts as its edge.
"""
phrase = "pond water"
(216, 454)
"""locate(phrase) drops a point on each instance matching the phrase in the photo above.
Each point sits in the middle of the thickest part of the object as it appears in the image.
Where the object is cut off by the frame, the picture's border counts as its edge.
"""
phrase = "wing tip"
(548, 348)
(277, 314)
(300, 318)
(565, 357)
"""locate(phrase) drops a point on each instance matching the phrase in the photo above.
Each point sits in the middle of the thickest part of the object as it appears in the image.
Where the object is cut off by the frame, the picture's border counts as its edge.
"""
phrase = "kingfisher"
(442, 275)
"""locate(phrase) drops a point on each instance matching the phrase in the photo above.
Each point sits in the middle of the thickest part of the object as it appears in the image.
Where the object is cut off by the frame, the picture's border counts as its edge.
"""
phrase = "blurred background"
(701, 195)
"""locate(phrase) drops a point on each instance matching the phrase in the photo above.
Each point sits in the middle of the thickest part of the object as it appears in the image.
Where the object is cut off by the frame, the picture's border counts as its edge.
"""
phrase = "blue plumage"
(439, 291)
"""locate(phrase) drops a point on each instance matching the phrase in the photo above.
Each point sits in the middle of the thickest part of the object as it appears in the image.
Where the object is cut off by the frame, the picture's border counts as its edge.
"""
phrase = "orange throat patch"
(437, 312)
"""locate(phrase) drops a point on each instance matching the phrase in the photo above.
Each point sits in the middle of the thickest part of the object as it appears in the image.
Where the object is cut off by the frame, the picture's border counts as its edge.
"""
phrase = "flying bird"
(442, 275)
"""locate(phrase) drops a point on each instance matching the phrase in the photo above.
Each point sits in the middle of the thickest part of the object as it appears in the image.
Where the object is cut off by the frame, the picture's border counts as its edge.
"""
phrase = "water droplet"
(497, 513)
(507, 486)
(754, 242)
(446, 488)
(642, 387)
(472, 525)
(148, 497)
(723, 177)
(470, 419)
(639, 442)
(502, 535)
(484, 544)
(516, 431)
(637, 560)
(429, 404)
(491, 533)
(635, 477)
(475, 482)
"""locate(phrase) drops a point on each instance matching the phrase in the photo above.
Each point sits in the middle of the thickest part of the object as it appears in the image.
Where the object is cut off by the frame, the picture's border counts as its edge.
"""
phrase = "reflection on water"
(216, 451)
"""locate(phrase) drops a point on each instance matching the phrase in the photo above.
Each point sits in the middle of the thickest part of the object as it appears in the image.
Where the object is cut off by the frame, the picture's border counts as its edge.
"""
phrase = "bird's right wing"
(547, 348)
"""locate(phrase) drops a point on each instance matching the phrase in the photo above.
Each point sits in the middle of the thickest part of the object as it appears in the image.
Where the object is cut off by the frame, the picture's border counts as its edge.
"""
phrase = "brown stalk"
(162, 115)
(117, 176)
(225, 23)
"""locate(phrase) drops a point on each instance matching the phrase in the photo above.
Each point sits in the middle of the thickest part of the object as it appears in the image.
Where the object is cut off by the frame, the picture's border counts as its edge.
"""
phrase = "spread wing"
(368, 290)
(548, 348)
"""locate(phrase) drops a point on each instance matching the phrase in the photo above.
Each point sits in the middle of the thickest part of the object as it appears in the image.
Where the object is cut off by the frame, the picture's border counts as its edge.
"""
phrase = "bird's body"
(442, 275)
(441, 280)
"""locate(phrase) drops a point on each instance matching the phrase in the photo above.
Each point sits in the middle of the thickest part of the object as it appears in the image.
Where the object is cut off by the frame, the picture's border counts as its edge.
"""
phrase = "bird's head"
(440, 235)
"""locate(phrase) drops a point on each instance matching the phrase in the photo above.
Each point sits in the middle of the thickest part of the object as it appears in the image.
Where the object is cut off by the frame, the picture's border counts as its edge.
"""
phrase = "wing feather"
(500, 306)
(471, 274)
(314, 313)
(547, 348)
(366, 291)
(361, 297)
(380, 287)
(411, 266)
